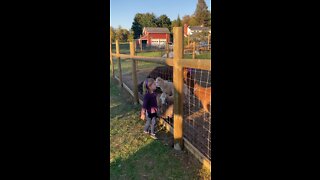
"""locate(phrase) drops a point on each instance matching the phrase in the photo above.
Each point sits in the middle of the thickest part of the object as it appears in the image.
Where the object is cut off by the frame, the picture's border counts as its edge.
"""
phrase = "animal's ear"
(209, 107)
(195, 82)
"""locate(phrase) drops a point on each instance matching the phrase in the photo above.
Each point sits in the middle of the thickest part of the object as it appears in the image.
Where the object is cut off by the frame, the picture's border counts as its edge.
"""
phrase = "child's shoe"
(153, 136)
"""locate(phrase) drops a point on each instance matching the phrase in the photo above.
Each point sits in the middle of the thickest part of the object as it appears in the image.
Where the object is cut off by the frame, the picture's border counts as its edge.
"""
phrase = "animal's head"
(163, 98)
(185, 73)
(159, 81)
(196, 86)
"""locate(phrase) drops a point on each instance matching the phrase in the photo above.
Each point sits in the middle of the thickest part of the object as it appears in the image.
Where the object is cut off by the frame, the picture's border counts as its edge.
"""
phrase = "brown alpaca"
(188, 78)
(204, 95)
(185, 74)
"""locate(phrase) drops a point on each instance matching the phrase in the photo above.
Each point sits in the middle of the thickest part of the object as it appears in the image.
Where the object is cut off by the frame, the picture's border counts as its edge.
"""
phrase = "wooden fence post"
(194, 50)
(111, 61)
(119, 62)
(167, 49)
(178, 88)
(140, 44)
(134, 75)
(208, 41)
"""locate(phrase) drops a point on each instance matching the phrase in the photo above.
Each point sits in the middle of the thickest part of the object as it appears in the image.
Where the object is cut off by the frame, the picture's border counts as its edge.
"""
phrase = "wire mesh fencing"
(124, 48)
(197, 109)
(155, 70)
(197, 98)
(196, 92)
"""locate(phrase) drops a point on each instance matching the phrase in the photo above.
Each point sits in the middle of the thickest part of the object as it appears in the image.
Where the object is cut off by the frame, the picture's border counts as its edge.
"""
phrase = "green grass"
(126, 65)
(151, 54)
(200, 56)
(134, 155)
(124, 48)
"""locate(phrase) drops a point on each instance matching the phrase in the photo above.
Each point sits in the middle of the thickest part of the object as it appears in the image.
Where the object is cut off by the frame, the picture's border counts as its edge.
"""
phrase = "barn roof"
(156, 30)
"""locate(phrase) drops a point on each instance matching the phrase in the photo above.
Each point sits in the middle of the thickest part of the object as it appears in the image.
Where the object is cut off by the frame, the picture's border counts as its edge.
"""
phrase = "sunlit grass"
(134, 155)
(200, 56)
(151, 54)
(126, 65)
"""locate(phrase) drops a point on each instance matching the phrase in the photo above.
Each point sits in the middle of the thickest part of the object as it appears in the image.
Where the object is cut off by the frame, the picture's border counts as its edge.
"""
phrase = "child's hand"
(143, 116)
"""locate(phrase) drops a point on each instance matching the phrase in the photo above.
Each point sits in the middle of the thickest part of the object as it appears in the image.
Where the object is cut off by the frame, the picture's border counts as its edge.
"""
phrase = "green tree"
(131, 36)
(163, 21)
(193, 21)
(136, 27)
(186, 19)
(112, 34)
(202, 14)
(177, 22)
(122, 34)
(143, 20)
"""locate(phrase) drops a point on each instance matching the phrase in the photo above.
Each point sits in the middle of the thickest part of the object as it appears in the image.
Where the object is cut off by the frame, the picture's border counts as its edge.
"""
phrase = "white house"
(189, 30)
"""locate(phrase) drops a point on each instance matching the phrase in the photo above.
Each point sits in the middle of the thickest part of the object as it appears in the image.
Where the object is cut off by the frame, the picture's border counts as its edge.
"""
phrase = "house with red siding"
(154, 36)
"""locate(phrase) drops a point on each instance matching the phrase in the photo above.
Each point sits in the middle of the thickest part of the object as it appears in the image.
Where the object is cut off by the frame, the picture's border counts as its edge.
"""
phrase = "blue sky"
(122, 12)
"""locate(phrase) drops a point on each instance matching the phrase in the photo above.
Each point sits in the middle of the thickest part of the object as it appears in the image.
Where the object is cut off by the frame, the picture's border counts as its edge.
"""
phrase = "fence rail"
(204, 64)
(178, 63)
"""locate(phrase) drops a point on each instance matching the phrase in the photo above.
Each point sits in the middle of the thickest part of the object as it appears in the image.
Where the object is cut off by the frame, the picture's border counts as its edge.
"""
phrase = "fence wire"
(197, 110)
(197, 98)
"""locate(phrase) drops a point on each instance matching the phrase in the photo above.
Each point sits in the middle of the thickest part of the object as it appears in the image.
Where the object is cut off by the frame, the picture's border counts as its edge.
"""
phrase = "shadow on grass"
(150, 159)
(153, 161)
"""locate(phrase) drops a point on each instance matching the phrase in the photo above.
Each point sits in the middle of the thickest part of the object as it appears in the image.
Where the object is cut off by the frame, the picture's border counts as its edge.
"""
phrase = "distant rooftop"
(198, 28)
(156, 30)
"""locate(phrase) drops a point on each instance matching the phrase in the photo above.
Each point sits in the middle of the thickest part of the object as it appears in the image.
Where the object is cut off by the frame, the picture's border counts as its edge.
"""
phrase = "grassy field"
(126, 65)
(125, 49)
(186, 56)
(134, 155)
(151, 54)
(200, 56)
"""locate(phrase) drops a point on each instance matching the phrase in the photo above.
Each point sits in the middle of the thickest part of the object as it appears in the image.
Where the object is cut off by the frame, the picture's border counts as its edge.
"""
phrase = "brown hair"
(146, 84)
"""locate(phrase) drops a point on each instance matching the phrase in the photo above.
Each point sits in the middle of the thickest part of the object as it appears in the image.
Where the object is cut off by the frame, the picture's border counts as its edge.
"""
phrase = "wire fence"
(197, 109)
(196, 104)
(196, 94)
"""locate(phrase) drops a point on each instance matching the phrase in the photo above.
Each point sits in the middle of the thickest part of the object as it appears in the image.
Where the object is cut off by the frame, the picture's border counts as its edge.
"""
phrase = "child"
(149, 106)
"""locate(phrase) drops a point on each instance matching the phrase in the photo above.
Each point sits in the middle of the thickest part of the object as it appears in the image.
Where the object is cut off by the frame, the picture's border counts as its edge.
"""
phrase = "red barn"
(154, 36)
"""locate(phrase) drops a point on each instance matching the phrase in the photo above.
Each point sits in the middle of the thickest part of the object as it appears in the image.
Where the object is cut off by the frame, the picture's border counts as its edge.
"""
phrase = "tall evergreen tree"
(179, 23)
(163, 21)
(202, 14)
(137, 26)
